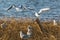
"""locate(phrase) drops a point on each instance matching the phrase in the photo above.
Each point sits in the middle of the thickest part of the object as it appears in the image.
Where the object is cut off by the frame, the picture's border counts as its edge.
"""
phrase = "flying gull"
(37, 14)
(17, 8)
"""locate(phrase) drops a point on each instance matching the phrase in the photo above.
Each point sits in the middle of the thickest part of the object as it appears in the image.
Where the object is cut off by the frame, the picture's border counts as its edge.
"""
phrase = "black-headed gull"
(54, 22)
(22, 35)
(3, 25)
(17, 8)
(37, 14)
(29, 32)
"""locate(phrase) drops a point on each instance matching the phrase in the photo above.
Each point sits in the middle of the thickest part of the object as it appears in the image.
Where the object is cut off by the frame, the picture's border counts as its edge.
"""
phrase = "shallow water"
(53, 13)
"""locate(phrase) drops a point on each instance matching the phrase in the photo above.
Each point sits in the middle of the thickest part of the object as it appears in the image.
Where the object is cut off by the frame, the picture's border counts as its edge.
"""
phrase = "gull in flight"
(17, 8)
(37, 14)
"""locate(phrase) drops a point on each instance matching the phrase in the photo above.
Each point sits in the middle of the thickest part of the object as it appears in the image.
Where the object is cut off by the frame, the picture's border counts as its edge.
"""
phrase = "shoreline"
(27, 18)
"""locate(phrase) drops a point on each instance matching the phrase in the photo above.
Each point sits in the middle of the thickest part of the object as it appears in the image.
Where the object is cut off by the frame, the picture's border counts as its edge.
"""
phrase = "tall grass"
(13, 26)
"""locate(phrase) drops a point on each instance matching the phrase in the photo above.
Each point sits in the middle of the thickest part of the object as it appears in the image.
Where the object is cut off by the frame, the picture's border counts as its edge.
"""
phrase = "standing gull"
(29, 32)
(22, 35)
(3, 25)
(54, 22)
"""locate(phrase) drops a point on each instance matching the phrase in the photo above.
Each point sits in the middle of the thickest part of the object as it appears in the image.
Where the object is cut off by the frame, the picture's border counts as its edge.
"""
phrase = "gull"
(37, 14)
(29, 32)
(54, 22)
(3, 25)
(17, 8)
(22, 35)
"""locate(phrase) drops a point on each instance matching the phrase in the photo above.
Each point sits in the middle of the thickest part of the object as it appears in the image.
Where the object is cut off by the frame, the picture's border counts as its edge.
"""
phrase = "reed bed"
(13, 26)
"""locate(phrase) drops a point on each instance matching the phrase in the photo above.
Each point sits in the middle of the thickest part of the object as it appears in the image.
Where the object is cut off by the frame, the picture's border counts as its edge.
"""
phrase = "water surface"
(53, 13)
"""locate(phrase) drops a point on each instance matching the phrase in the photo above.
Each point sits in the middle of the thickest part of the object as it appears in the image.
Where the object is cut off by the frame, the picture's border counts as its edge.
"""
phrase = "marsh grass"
(13, 27)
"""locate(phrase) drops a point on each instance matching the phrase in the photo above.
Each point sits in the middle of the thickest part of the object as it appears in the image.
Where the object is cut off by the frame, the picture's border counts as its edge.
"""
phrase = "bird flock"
(29, 30)
(22, 35)
(22, 7)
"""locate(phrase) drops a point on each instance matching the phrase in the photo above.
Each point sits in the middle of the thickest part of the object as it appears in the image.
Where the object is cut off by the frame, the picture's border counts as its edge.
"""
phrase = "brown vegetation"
(41, 30)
